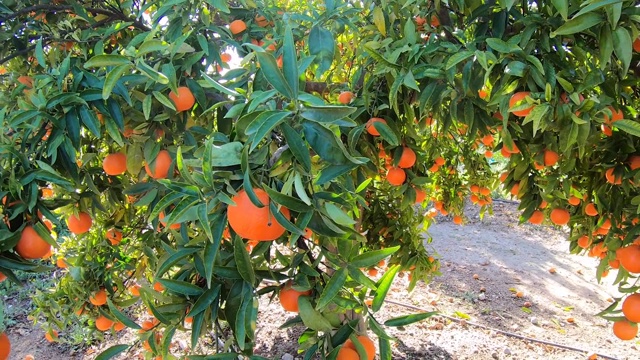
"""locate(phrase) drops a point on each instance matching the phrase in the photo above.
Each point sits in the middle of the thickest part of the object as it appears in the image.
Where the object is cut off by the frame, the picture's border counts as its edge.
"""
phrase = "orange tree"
(188, 157)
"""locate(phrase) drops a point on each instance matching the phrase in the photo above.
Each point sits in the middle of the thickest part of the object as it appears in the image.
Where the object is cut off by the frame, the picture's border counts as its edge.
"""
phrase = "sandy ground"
(507, 258)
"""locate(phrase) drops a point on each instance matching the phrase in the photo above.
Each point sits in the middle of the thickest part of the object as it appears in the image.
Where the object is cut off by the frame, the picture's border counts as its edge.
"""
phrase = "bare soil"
(476, 312)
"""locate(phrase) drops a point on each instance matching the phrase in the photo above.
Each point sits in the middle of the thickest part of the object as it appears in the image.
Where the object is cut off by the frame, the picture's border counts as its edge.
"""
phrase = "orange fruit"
(3, 277)
(99, 298)
(408, 158)
(550, 157)
(115, 164)
(252, 222)
(396, 176)
(435, 22)
(184, 99)
(372, 272)
(584, 241)
(346, 353)
(483, 94)
(114, 236)
(631, 308)
(367, 344)
(5, 346)
(48, 192)
(372, 129)
(474, 198)
(51, 336)
(134, 290)
(537, 217)
(174, 226)
(612, 178)
(629, 257)
(289, 297)
(225, 58)
(31, 245)
(237, 26)
(157, 286)
(606, 130)
(474, 189)
(515, 189)
(636, 45)
(345, 97)
(634, 162)
(487, 140)
(103, 323)
(560, 216)
(162, 163)
(457, 219)
(590, 209)
(26, 81)
(261, 20)
(543, 204)
(573, 200)
(118, 326)
(61, 263)
(420, 196)
(615, 115)
(488, 154)
(519, 99)
(625, 330)
(79, 224)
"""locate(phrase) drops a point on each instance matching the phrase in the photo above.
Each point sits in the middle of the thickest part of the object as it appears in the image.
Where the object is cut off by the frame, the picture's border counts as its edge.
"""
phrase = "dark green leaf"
(106, 60)
(333, 287)
(371, 258)
(273, 74)
(409, 319)
(383, 287)
(112, 352)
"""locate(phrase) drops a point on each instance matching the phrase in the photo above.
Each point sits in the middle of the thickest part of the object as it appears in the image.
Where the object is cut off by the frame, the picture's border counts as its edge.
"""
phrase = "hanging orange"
(184, 99)
(79, 224)
(162, 163)
(115, 164)
(31, 245)
(518, 99)
(252, 222)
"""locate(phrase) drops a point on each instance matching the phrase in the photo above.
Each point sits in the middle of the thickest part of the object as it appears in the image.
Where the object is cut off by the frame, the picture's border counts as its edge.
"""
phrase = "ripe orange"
(439, 161)
(573, 200)
(252, 222)
(591, 210)
(162, 163)
(483, 94)
(537, 217)
(515, 189)
(99, 298)
(457, 219)
(488, 154)
(261, 20)
(634, 162)
(289, 297)
(487, 140)
(396, 176)
(345, 97)
(3, 277)
(237, 26)
(519, 99)
(61, 263)
(225, 58)
(184, 99)
(115, 164)
(636, 45)
(31, 245)
(5, 346)
(346, 353)
(550, 157)
(26, 81)
(420, 196)
(118, 326)
(584, 241)
(79, 224)
(625, 330)
(103, 323)
(612, 178)
(48, 192)
(474, 189)
(606, 130)
(615, 116)
(134, 290)
(435, 22)
(372, 129)
(629, 257)
(51, 336)
(408, 158)
(631, 308)
(560, 216)
(157, 286)
(174, 226)
(367, 344)
(114, 236)
(372, 272)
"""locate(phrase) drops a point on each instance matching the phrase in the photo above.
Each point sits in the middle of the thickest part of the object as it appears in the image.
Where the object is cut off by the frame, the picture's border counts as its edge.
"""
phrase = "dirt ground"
(476, 312)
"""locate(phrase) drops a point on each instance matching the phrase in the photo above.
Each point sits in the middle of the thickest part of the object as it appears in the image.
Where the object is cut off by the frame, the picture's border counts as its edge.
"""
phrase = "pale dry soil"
(507, 258)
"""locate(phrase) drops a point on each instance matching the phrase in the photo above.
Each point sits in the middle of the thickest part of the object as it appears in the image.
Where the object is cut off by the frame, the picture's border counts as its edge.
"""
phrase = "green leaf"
(578, 24)
(228, 154)
(273, 74)
(326, 114)
(322, 47)
(595, 5)
(384, 284)
(562, 6)
(409, 319)
(181, 287)
(263, 125)
(174, 259)
(90, 120)
(205, 300)
(333, 287)
(151, 46)
(379, 58)
(40, 53)
(336, 214)
(152, 73)
(164, 100)
(628, 126)
(536, 115)
(606, 46)
(379, 21)
(324, 142)
(311, 317)
(216, 85)
(112, 79)
(297, 146)
(289, 61)
(99, 61)
(371, 258)
(386, 133)
(623, 47)
(458, 58)
(243, 261)
(112, 352)
(286, 200)
(501, 46)
(120, 316)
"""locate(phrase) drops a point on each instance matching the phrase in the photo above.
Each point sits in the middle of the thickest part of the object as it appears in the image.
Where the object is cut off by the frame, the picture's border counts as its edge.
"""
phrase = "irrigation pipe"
(521, 337)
